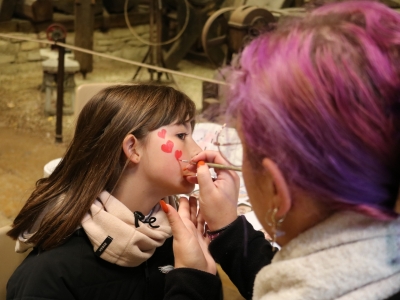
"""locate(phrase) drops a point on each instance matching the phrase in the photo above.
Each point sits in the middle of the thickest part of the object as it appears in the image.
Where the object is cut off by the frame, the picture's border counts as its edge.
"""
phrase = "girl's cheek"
(167, 147)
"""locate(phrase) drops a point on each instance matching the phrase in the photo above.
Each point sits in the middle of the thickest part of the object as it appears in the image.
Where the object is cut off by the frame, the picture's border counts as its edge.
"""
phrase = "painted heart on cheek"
(178, 154)
(162, 133)
(167, 147)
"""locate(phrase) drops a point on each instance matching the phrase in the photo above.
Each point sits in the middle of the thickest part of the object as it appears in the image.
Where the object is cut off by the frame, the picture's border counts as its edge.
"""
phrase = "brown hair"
(94, 160)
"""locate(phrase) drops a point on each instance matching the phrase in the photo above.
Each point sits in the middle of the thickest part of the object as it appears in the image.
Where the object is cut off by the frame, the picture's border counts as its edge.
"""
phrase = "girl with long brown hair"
(95, 224)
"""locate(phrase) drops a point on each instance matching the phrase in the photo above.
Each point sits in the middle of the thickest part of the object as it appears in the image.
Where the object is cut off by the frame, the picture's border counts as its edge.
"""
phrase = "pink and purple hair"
(323, 93)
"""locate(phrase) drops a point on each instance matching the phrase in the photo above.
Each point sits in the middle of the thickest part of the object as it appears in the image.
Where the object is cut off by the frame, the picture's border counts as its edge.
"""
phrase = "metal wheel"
(214, 37)
(56, 32)
(245, 23)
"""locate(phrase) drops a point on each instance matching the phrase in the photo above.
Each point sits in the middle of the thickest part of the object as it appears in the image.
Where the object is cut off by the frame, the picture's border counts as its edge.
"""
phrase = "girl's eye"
(182, 136)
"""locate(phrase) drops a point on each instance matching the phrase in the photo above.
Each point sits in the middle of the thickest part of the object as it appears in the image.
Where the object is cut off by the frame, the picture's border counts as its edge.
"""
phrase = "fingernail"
(200, 163)
(164, 206)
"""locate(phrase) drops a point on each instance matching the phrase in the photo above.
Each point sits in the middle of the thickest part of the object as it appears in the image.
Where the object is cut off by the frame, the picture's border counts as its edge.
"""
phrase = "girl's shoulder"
(57, 260)
(46, 274)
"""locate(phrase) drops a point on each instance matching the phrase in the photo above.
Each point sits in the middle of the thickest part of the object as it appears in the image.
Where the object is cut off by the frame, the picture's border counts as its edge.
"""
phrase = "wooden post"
(84, 27)
(7, 9)
(299, 3)
(35, 10)
(60, 93)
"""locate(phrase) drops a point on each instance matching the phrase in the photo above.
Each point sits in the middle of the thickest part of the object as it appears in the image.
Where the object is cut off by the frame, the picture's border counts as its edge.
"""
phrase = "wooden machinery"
(227, 30)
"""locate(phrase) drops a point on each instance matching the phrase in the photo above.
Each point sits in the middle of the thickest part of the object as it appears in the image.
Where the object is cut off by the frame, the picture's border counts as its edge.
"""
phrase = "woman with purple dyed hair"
(316, 103)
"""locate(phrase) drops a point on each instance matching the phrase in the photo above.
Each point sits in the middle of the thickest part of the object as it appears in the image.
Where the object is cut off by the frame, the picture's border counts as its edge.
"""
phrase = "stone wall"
(118, 42)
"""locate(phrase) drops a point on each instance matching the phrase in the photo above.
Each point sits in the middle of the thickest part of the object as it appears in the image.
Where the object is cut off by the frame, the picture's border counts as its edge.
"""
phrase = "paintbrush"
(215, 166)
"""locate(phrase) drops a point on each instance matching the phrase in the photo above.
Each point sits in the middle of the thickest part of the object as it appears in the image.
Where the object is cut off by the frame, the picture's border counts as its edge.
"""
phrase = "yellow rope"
(143, 65)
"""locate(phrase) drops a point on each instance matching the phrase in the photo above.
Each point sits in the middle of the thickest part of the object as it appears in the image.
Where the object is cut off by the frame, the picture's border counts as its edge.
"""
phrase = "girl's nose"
(195, 149)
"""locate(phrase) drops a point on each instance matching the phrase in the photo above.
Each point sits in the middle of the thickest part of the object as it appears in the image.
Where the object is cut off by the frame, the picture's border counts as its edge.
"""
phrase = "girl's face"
(164, 148)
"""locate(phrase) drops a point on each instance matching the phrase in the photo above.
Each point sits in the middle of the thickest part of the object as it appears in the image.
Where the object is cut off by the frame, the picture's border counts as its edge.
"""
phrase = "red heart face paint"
(178, 154)
(162, 133)
(167, 147)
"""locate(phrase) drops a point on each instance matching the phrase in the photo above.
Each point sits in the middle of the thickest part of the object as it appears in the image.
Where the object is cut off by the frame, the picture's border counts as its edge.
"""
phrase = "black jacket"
(241, 251)
(72, 271)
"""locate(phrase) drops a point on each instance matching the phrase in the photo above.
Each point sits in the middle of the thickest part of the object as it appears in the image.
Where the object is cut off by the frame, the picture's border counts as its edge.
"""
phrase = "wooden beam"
(84, 28)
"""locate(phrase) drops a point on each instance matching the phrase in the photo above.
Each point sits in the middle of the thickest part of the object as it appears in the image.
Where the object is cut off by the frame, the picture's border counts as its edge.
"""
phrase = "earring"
(274, 224)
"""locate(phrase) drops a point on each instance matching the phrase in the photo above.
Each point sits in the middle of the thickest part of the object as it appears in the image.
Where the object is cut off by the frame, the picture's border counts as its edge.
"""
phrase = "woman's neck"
(304, 214)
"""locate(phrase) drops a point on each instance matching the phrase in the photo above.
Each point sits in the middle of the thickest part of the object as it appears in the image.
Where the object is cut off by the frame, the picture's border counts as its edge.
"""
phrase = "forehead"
(185, 125)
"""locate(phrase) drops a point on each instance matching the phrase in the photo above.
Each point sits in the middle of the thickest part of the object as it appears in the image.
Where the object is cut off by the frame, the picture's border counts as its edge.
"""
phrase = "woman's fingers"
(188, 246)
(178, 228)
(218, 197)
(204, 178)
(207, 156)
(193, 209)
(210, 156)
(201, 224)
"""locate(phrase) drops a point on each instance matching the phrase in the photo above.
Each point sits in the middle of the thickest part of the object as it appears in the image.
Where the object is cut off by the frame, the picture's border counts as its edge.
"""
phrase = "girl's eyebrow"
(186, 125)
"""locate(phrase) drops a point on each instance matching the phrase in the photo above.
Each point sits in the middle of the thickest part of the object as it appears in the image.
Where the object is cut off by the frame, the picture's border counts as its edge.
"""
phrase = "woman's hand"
(218, 198)
(190, 244)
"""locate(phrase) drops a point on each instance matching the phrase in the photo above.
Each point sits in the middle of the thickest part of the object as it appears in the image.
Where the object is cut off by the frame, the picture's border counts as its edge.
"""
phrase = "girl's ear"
(129, 147)
(281, 189)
